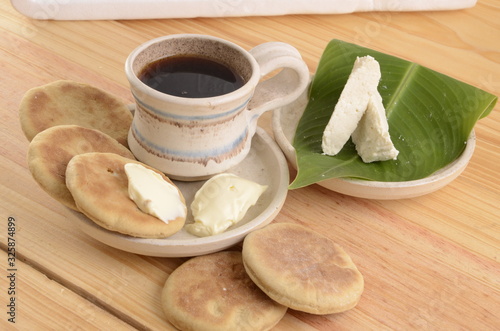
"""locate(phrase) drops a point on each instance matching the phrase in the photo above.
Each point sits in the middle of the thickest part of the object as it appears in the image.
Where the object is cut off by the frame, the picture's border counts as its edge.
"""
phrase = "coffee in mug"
(191, 76)
(198, 99)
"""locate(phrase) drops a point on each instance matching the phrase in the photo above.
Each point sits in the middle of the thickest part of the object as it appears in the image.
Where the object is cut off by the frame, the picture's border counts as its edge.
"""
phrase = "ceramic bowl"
(264, 164)
(285, 122)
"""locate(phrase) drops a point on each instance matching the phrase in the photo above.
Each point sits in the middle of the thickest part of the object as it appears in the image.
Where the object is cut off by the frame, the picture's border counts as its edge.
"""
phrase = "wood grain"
(50, 304)
(430, 263)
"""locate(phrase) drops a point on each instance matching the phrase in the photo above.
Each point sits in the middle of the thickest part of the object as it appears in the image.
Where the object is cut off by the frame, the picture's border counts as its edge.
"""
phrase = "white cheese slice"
(351, 105)
(360, 114)
(371, 137)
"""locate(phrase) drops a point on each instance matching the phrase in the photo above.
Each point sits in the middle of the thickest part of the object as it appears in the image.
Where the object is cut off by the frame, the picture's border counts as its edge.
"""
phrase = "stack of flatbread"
(281, 266)
(77, 153)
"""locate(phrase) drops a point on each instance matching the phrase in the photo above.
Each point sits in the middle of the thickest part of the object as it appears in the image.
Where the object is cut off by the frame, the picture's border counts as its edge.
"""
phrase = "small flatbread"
(68, 102)
(213, 292)
(50, 151)
(99, 185)
(302, 269)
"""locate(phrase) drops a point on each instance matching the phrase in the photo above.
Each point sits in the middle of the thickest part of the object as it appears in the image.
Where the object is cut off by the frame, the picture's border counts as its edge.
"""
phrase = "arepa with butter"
(99, 185)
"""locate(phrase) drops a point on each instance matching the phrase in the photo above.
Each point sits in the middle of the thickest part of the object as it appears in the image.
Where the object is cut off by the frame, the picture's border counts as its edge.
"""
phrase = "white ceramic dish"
(264, 164)
(285, 122)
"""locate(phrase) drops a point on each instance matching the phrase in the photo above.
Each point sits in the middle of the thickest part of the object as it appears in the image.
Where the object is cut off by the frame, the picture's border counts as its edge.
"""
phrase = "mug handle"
(284, 87)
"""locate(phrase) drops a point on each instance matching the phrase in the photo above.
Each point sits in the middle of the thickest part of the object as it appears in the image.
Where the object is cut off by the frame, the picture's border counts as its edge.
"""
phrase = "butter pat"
(351, 105)
(154, 195)
(371, 137)
(221, 202)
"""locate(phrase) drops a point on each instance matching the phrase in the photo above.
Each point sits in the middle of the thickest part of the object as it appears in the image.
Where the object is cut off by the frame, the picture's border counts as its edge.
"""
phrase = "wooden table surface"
(430, 263)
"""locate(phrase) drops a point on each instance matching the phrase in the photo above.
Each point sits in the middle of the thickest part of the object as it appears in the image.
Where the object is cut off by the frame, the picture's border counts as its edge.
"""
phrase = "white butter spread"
(152, 194)
(360, 113)
(221, 202)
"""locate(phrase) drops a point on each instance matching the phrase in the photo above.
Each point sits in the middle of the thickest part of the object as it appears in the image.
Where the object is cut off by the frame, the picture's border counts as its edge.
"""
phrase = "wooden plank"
(32, 301)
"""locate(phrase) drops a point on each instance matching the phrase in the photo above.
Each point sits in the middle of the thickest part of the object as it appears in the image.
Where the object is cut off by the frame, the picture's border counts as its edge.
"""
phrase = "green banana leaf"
(430, 117)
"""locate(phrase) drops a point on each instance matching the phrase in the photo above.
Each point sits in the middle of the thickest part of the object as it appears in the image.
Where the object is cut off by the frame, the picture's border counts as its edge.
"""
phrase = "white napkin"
(151, 9)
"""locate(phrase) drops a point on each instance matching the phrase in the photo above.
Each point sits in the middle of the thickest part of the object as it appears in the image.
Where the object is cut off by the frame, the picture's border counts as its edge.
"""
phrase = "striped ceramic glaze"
(194, 138)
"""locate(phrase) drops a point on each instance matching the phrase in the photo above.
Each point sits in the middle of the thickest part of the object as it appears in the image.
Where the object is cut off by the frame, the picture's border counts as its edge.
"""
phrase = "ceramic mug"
(195, 138)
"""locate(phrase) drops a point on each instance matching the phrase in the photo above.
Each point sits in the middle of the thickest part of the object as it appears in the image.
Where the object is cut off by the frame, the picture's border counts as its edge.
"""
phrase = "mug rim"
(244, 90)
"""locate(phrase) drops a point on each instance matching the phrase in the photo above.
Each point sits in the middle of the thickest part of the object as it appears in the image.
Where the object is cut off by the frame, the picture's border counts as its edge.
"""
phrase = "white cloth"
(151, 9)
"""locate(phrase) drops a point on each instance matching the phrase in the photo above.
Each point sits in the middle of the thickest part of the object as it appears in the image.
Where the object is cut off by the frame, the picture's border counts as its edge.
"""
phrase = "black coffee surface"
(190, 77)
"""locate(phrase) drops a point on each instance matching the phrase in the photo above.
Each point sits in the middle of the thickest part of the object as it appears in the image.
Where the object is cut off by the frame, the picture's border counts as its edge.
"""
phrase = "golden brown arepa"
(50, 151)
(99, 185)
(213, 292)
(68, 102)
(302, 269)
